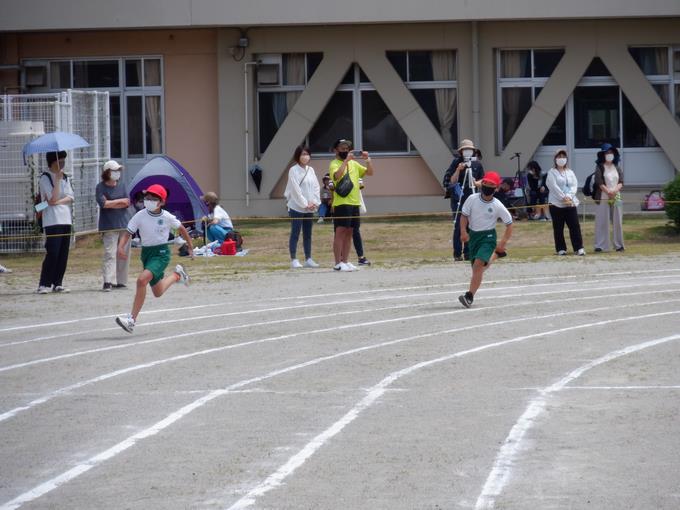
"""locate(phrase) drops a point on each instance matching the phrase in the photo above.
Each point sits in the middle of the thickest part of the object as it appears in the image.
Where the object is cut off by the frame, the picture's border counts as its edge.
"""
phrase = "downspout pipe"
(247, 128)
(475, 82)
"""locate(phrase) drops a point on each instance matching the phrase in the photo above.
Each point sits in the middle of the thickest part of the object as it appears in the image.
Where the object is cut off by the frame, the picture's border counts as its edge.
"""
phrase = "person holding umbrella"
(57, 195)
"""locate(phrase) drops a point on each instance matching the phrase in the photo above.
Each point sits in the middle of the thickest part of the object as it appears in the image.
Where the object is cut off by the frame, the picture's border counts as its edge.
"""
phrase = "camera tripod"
(468, 180)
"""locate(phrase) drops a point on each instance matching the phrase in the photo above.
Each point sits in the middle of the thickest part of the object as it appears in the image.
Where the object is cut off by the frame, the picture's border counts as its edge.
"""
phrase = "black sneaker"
(457, 258)
(363, 261)
(119, 286)
(466, 299)
(107, 287)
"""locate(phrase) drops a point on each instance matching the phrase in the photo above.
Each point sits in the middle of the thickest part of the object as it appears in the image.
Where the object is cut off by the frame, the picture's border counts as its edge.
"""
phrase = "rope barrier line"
(446, 214)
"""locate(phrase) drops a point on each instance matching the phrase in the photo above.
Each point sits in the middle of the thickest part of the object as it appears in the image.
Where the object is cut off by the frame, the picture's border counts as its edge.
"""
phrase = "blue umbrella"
(54, 142)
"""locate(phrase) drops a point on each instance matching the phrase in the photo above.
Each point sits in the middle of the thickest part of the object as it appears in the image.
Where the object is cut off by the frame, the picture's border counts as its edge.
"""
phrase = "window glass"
(440, 106)
(676, 62)
(313, 61)
(135, 140)
(336, 121)
(398, 61)
(596, 116)
(114, 126)
(293, 68)
(516, 103)
(362, 76)
(60, 75)
(635, 132)
(273, 108)
(557, 134)
(420, 66)
(152, 72)
(545, 62)
(677, 103)
(95, 73)
(651, 60)
(381, 131)
(348, 79)
(597, 68)
(133, 73)
(153, 124)
(516, 64)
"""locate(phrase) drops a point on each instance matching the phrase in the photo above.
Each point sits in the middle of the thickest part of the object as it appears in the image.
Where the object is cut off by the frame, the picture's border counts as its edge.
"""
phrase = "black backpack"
(589, 186)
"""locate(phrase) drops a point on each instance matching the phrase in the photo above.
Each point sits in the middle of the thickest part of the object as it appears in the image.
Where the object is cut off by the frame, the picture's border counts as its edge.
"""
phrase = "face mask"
(343, 155)
(151, 205)
(115, 176)
(304, 159)
(561, 161)
(468, 153)
(609, 158)
(488, 190)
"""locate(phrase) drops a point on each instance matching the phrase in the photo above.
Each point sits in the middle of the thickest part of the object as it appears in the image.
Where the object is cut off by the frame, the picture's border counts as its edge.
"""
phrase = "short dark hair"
(106, 175)
(534, 166)
(51, 157)
(340, 141)
(298, 152)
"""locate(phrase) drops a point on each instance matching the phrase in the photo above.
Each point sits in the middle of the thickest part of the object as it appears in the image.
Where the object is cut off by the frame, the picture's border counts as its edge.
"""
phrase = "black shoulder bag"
(344, 185)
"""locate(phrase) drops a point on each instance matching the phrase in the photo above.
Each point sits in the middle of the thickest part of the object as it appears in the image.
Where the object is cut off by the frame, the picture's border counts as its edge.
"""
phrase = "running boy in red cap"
(154, 226)
(480, 212)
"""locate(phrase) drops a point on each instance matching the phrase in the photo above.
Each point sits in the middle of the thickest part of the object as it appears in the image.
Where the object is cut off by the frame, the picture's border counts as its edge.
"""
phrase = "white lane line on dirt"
(287, 469)
(354, 301)
(505, 460)
(622, 388)
(45, 398)
(120, 447)
(324, 295)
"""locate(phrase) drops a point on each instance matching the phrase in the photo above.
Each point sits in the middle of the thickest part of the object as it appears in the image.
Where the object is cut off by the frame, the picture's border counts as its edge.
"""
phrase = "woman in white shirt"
(607, 196)
(562, 187)
(218, 221)
(303, 198)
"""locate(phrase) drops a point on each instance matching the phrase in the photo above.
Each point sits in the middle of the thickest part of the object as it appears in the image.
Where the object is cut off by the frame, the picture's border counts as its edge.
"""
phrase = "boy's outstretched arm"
(464, 236)
(500, 246)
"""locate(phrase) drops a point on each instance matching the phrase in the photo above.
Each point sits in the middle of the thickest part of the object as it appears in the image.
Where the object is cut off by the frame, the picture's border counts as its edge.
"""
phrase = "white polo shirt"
(154, 229)
(482, 215)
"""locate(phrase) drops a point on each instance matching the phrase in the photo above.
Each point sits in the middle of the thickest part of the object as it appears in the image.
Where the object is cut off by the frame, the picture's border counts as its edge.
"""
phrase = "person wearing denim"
(218, 221)
(303, 199)
(326, 198)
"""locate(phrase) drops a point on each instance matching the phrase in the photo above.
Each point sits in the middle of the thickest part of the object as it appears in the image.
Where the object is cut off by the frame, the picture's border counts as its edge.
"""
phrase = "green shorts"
(482, 245)
(155, 259)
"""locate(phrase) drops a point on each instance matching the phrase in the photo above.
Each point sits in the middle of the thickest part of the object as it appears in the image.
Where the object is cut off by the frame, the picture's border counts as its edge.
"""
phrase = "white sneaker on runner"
(183, 276)
(3, 269)
(310, 263)
(295, 264)
(126, 322)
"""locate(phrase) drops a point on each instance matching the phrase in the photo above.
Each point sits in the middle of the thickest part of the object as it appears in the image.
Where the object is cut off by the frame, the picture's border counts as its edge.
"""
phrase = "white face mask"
(304, 159)
(468, 153)
(561, 161)
(609, 158)
(151, 205)
(115, 175)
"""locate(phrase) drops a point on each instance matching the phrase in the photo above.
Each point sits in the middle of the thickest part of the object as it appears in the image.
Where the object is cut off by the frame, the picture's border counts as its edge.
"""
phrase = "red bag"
(228, 247)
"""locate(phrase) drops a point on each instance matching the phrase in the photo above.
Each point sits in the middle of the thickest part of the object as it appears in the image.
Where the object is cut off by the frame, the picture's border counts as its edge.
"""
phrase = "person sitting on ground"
(218, 223)
(481, 211)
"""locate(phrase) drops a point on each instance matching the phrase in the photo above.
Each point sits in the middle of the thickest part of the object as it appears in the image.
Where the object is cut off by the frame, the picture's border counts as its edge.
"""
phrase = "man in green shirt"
(346, 209)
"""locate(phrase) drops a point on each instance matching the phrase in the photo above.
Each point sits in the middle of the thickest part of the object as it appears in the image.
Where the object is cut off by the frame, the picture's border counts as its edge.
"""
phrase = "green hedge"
(672, 194)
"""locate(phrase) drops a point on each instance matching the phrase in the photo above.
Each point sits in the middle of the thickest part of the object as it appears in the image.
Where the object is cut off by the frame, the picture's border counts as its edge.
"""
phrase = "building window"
(596, 116)
(356, 109)
(522, 74)
(135, 87)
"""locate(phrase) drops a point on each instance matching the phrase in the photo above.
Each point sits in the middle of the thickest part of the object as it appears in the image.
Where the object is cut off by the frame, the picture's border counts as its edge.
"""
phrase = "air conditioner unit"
(269, 69)
(35, 76)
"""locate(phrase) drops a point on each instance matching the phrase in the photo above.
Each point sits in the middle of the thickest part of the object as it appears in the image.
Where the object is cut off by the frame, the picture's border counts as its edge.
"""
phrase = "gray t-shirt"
(112, 219)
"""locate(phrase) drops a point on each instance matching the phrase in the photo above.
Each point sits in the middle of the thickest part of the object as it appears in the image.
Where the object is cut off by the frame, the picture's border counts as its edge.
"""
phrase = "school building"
(222, 86)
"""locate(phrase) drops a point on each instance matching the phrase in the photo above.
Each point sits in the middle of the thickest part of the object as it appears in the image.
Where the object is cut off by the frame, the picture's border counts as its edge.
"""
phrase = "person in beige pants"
(113, 200)
(607, 196)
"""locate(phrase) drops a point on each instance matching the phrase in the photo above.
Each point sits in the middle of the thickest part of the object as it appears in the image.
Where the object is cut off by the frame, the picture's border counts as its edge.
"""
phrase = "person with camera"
(345, 173)
(460, 181)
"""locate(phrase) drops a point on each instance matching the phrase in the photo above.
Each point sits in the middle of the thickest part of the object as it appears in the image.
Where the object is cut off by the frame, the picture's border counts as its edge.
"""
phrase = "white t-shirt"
(611, 177)
(154, 229)
(223, 218)
(482, 215)
(302, 189)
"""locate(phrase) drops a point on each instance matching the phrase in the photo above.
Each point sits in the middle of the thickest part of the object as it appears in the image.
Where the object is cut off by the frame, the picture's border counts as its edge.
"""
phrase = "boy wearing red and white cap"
(154, 225)
(480, 212)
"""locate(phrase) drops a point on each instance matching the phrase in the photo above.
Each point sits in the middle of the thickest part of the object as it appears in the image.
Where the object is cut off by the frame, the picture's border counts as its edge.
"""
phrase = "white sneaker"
(126, 322)
(61, 288)
(183, 276)
(295, 264)
(351, 266)
(43, 290)
(561, 253)
(310, 263)
(320, 220)
(344, 267)
(581, 252)
(3, 269)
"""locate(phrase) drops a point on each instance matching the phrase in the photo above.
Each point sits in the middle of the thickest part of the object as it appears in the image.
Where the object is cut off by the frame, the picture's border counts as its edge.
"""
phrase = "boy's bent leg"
(140, 294)
(478, 268)
(163, 285)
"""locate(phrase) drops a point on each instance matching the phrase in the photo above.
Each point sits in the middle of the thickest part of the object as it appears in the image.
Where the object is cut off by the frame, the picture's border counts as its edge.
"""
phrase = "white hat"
(112, 165)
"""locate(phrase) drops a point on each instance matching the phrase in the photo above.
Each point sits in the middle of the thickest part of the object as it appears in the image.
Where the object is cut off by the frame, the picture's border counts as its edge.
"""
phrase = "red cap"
(493, 178)
(158, 190)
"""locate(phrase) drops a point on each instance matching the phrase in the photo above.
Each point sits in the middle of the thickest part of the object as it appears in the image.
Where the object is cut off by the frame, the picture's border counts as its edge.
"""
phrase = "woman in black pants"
(56, 191)
(562, 186)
